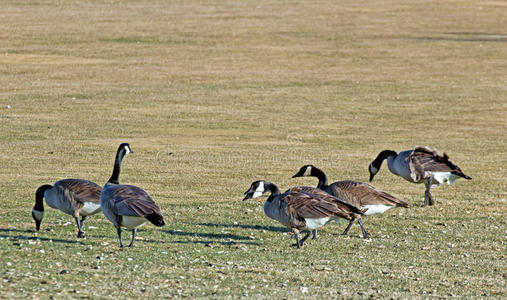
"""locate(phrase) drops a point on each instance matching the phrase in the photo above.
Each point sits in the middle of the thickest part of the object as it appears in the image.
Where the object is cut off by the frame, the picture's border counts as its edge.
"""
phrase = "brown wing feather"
(424, 159)
(361, 194)
(303, 205)
(80, 190)
(133, 201)
(342, 203)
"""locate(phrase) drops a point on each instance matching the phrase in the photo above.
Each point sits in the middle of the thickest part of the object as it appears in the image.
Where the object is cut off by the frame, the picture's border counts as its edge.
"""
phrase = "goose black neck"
(316, 172)
(382, 156)
(39, 197)
(272, 188)
(117, 163)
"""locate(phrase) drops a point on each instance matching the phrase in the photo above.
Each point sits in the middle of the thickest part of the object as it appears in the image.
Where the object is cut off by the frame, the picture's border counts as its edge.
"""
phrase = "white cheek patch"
(259, 190)
(373, 170)
(256, 194)
(38, 214)
(127, 149)
(308, 171)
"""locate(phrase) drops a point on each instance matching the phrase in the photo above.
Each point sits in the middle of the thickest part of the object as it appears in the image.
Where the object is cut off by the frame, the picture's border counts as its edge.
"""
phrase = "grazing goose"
(76, 197)
(359, 194)
(127, 205)
(300, 207)
(419, 165)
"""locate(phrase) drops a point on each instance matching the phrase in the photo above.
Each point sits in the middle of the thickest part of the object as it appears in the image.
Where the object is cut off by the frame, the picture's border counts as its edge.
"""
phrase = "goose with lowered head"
(420, 165)
(76, 197)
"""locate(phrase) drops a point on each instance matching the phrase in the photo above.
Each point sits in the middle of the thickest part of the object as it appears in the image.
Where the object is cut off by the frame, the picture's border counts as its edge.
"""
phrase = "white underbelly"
(90, 208)
(443, 177)
(132, 222)
(314, 223)
(376, 209)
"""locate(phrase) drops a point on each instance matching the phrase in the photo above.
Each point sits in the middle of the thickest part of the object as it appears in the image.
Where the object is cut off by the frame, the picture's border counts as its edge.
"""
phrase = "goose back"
(71, 195)
(345, 206)
(118, 200)
(361, 194)
(424, 161)
(365, 196)
(296, 208)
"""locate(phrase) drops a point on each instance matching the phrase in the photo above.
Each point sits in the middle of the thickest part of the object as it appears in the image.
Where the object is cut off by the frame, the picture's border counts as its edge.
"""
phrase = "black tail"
(156, 219)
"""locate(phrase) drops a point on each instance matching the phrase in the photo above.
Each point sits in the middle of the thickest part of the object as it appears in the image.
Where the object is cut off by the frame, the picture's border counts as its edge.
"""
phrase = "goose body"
(127, 206)
(76, 197)
(420, 165)
(398, 166)
(370, 199)
(300, 209)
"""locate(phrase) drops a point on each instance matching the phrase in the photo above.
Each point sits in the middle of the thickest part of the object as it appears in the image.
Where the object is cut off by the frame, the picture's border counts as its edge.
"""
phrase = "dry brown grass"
(245, 90)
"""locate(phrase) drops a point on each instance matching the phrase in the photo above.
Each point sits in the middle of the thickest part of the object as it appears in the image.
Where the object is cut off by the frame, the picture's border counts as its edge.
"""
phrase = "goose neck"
(117, 164)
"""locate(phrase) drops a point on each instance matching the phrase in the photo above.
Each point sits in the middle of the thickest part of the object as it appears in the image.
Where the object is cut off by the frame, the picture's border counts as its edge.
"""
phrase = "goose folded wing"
(81, 190)
(342, 203)
(304, 205)
(133, 201)
(424, 159)
(364, 193)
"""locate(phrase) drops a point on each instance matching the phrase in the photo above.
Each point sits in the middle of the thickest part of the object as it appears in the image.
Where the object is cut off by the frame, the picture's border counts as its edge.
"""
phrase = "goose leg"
(348, 227)
(296, 236)
(314, 234)
(428, 200)
(302, 242)
(133, 236)
(365, 233)
(82, 221)
(80, 233)
(118, 230)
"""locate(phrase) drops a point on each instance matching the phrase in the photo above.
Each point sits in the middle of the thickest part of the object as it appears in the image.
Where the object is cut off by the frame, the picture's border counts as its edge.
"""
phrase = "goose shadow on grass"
(247, 226)
(212, 238)
(33, 237)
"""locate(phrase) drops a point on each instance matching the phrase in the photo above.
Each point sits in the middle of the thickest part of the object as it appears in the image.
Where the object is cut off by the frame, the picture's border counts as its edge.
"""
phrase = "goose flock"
(300, 208)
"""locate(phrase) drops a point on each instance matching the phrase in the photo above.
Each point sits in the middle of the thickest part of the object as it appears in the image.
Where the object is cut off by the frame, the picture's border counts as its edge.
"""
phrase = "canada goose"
(76, 197)
(419, 165)
(127, 205)
(300, 207)
(356, 193)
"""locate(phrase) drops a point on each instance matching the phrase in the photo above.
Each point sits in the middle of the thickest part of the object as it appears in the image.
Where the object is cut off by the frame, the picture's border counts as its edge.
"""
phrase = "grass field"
(212, 95)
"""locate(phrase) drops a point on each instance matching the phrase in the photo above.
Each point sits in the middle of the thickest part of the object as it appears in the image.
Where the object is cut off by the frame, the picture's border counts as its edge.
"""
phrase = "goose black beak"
(371, 176)
(248, 196)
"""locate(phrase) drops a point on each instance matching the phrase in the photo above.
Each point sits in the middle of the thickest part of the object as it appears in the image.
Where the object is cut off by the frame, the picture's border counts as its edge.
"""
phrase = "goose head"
(373, 171)
(124, 149)
(304, 171)
(256, 190)
(37, 216)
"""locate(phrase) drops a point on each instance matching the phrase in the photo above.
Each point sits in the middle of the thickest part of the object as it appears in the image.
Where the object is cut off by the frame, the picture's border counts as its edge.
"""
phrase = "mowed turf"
(212, 95)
